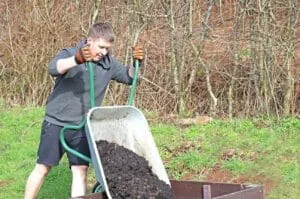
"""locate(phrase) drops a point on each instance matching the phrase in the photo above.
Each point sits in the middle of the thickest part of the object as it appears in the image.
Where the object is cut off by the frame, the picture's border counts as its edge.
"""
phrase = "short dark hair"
(102, 30)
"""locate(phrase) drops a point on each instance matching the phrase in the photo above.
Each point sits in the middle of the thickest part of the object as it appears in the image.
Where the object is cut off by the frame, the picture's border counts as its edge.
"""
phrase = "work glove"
(138, 52)
(84, 54)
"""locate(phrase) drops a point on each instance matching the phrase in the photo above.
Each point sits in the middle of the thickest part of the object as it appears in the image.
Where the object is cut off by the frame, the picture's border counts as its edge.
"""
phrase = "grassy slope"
(244, 151)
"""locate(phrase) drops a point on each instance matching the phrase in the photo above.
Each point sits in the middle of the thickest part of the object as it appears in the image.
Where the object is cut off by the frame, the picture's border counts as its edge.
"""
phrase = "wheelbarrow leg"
(98, 188)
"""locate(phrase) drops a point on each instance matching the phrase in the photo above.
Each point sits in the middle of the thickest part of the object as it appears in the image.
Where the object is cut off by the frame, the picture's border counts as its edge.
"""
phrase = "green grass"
(264, 152)
(20, 132)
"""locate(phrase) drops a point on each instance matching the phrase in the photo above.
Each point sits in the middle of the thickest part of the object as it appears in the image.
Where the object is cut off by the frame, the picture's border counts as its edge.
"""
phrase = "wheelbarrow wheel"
(98, 188)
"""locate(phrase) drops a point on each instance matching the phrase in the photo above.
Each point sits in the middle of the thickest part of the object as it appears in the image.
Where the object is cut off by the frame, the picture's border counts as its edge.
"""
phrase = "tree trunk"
(289, 83)
(235, 61)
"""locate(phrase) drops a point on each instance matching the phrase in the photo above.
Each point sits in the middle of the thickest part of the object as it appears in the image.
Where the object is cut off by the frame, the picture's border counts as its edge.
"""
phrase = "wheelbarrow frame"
(95, 158)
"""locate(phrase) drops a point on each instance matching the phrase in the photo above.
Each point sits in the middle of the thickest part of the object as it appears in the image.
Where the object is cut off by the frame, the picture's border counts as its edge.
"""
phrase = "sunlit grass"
(242, 147)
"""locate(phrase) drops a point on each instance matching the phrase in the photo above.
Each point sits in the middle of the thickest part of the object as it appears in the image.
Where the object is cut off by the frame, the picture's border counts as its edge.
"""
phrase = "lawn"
(251, 151)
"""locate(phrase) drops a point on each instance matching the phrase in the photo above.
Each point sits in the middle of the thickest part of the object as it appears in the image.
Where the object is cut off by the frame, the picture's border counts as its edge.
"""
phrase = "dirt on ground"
(129, 175)
(218, 174)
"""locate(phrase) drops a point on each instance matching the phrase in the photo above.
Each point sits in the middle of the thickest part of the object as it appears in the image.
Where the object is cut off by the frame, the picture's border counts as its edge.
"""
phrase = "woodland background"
(223, 58)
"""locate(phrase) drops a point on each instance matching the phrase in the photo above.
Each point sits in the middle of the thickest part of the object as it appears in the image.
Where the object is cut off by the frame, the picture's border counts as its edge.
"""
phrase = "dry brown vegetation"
(221, 58)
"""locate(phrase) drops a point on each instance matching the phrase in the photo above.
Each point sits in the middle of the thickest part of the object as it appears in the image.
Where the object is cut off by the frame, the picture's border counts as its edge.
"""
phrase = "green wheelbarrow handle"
(134, 82)
(64, 144)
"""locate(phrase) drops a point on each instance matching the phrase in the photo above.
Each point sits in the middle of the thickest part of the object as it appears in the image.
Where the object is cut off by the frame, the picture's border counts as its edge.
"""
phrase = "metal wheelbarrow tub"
(127, 127)
(206, 190)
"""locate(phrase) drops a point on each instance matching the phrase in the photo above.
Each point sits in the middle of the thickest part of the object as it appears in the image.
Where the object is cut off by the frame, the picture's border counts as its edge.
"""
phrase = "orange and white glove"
(84, 54)
(138, 52)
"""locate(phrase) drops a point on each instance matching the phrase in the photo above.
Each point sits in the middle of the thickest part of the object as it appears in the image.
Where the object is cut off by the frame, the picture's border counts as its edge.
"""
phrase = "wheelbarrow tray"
(127, 127)
(206, 190)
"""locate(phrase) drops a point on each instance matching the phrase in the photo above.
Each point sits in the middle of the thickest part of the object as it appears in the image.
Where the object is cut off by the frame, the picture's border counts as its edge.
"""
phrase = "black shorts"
(51, 150)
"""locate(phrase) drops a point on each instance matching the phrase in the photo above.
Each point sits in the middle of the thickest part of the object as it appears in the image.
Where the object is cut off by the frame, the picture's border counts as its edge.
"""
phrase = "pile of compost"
(129, 175)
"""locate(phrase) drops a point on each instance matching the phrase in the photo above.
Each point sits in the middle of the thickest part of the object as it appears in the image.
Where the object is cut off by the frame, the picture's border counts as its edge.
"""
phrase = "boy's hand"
(84, 54)
(138, 52)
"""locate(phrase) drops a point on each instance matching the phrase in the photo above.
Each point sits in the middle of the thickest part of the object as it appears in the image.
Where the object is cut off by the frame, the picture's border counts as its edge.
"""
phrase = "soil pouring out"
(129, 175)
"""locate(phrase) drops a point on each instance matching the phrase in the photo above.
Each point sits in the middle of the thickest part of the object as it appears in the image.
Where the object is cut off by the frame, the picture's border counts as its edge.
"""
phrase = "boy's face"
(99, 48)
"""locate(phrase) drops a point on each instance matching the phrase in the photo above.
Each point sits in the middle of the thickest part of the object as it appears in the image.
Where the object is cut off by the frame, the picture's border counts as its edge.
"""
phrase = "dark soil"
(128, 175)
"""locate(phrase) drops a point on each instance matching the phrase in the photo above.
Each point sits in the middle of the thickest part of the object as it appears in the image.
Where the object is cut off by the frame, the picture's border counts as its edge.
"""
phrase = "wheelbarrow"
(123, 125)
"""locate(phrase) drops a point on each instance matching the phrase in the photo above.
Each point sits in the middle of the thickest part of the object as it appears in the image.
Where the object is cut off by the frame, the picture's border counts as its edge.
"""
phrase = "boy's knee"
(42, 170)
(79, 170)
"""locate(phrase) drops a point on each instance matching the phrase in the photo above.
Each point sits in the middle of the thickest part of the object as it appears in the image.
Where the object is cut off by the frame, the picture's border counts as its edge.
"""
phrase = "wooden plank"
(255, 192)
(206, 192)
